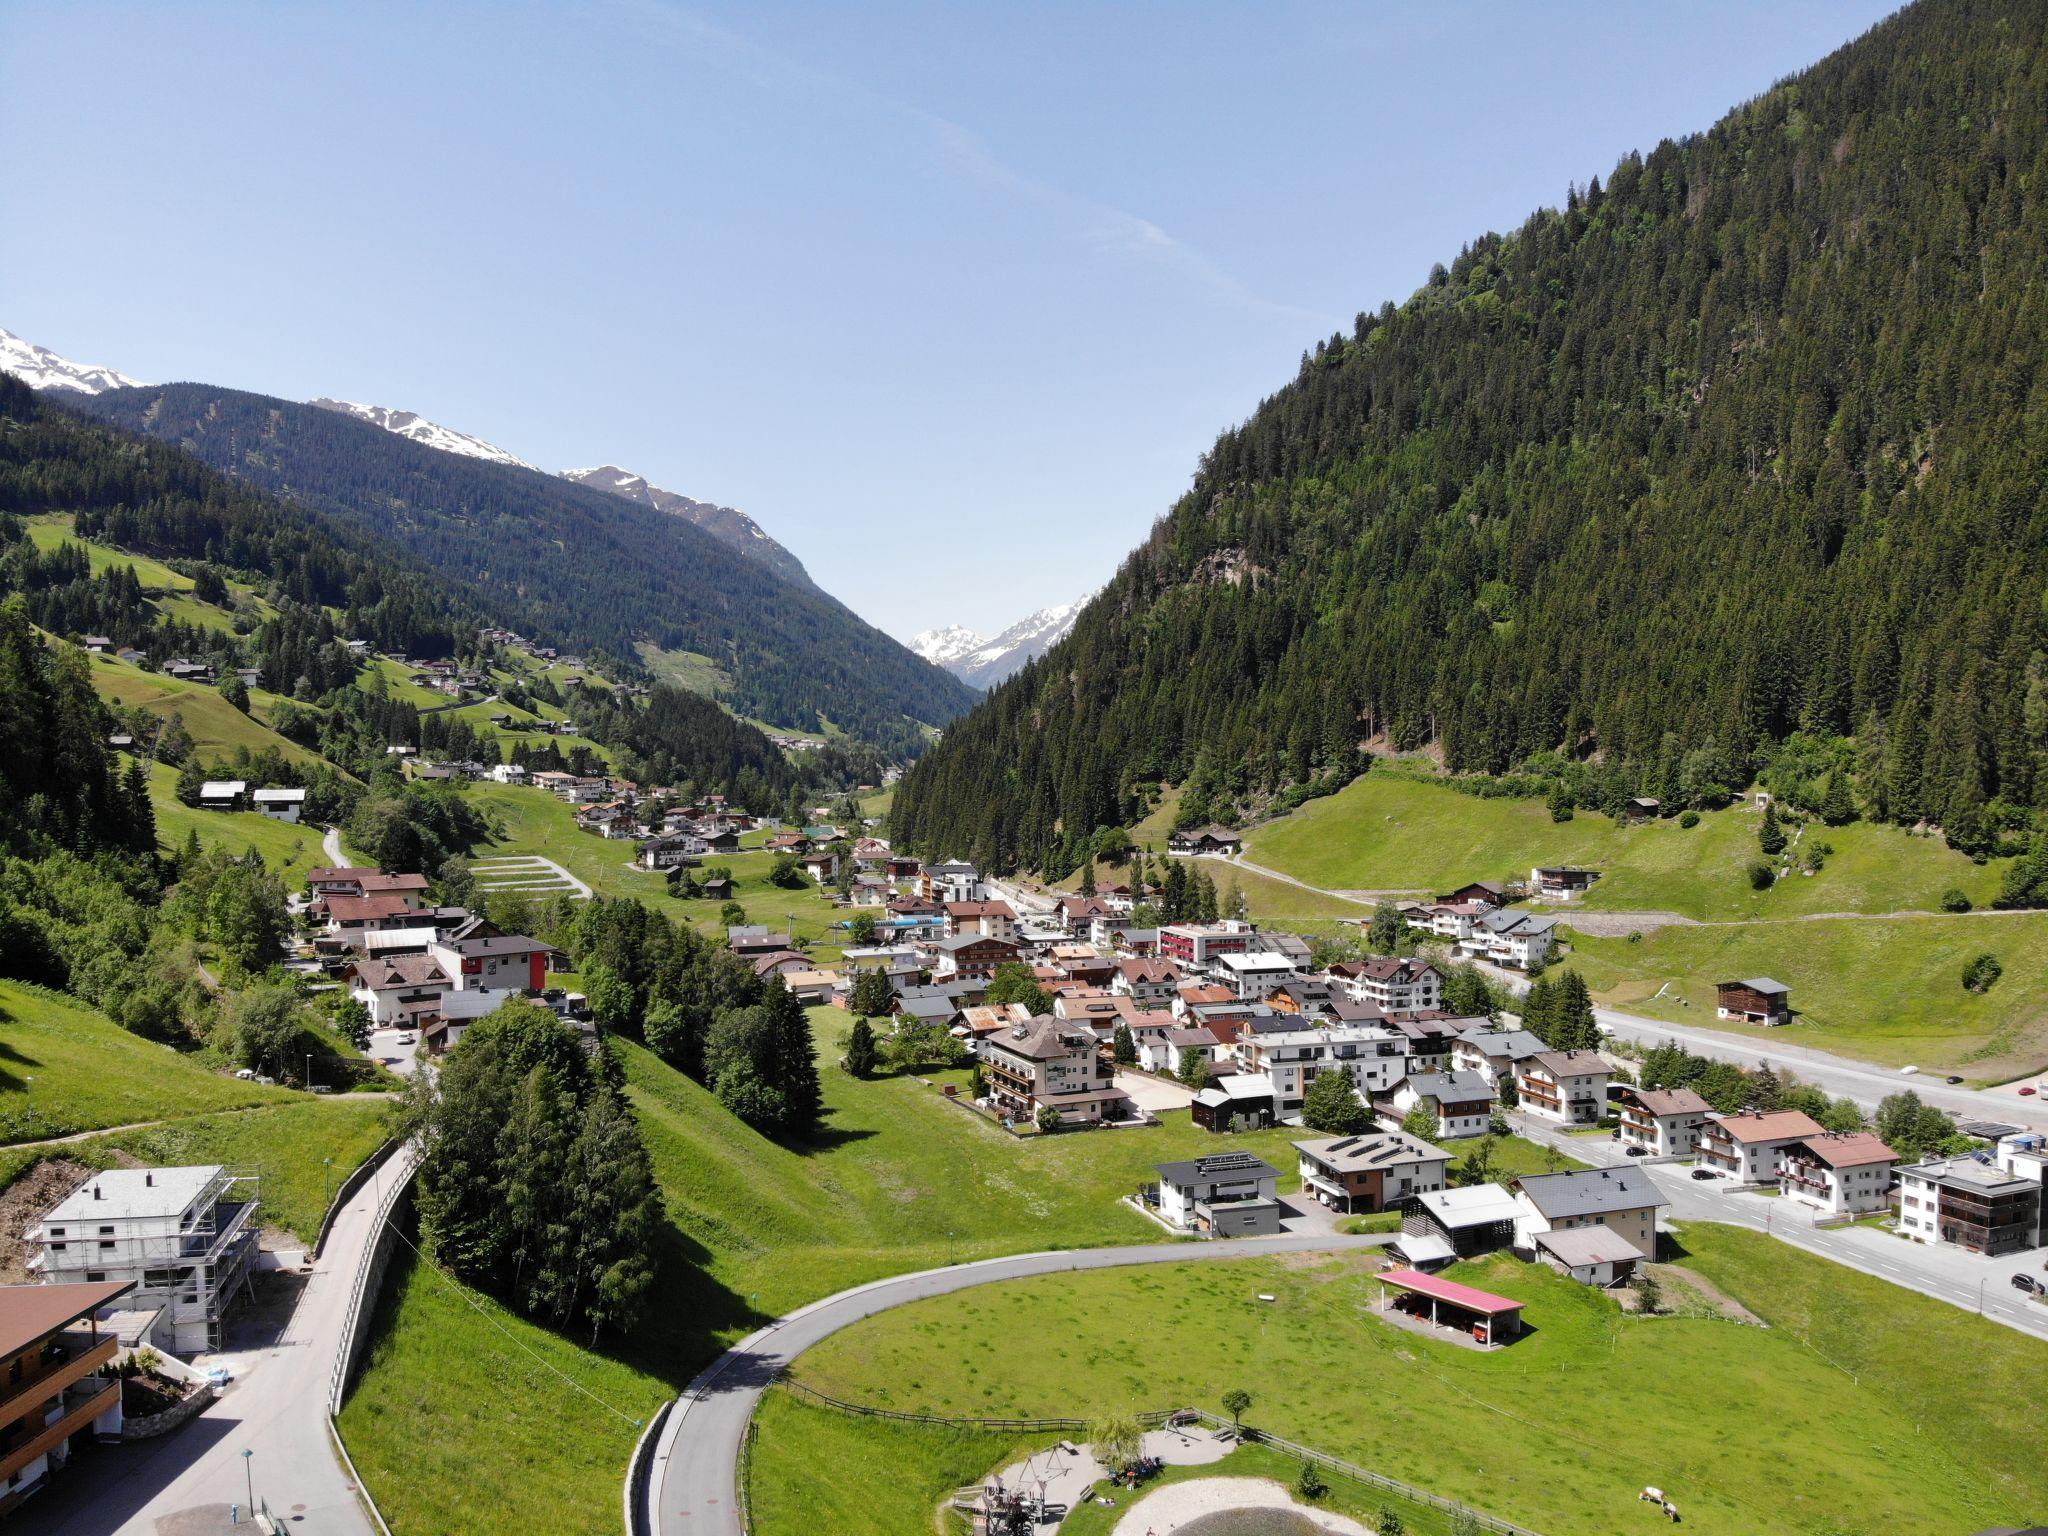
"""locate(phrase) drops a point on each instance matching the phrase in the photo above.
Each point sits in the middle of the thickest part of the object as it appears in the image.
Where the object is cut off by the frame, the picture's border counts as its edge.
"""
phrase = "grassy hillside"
(898, 1180)
(217, 727)
(288, 850)
(1887, 1437)
(65, 1068)
(1390, 832)
(1888, 991)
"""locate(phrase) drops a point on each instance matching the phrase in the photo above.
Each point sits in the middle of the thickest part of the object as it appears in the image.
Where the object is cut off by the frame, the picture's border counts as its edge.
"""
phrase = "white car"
(407, 1039)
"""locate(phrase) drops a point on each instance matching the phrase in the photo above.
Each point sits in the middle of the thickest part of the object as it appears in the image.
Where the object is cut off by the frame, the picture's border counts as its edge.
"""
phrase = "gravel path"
(1159, 1514)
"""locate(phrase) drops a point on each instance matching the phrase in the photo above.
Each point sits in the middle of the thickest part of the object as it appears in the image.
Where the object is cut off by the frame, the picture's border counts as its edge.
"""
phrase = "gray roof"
(963, 940)
(1589, 1191)
(1218, 1168)
(1376, 1149)
(1450, 1087)
(1515, 1044)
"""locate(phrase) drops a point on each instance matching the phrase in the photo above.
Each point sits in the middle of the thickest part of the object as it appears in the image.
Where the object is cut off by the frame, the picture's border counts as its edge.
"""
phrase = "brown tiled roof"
(363, 909)
(1849, 1149)
(29, 1312)
(1671, 1101)
(1776, 1126)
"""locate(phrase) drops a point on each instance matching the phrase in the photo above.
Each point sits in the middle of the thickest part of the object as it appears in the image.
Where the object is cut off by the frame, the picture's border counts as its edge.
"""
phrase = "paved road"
(1946, 1274)
(331, 846)
(275, 1407)
(692, 1481)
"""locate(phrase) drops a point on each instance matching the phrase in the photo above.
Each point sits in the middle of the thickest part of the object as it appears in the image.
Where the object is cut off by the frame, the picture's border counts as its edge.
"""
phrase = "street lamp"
(249, 1481)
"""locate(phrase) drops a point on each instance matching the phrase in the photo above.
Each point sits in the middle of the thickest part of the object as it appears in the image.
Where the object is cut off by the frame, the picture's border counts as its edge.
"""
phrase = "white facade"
(1565, 1087)
(187, 1237)
(1252, 977)
(1375, 1058)
(280, 804)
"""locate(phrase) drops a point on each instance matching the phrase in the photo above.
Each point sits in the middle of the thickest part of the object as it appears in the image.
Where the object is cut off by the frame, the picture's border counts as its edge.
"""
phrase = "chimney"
(149, 1179)
(96, 1192)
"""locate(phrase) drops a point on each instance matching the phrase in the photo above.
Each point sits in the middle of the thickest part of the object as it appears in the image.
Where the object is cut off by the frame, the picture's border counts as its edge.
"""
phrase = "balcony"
(81, 1404)
(81, 1352)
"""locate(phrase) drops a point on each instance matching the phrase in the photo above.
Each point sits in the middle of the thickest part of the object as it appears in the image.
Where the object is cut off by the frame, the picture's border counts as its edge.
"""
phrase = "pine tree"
(1838, 803)
(1770, 836)
(1538, 1013)
(1572, 1027)
(1123, 1047)
(860, 1049)
(793, 1060)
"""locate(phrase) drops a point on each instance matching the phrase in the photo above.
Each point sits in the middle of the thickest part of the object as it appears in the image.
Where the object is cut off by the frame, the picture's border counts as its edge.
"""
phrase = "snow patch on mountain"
(430, 434)
(984, 661)
(40, 368)
(728, 524)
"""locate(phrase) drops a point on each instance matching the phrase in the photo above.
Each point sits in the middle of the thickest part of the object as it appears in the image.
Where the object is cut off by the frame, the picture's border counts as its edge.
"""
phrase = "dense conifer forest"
(567, 564)
(1745, 440)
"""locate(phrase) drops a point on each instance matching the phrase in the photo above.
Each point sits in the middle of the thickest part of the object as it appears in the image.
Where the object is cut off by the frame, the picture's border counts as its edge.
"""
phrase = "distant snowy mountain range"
(985, 662)
(40, 368)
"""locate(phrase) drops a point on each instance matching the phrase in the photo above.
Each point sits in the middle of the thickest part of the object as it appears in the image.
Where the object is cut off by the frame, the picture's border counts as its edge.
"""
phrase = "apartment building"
(1198, 944)
(1495, 1053)
(184, 1238)
(1569, 1087)
(1623, 1200)
(1397, 985)
(1051, 1062)
(1375, 1058)
(1461, 1102)
(1232, 1194)
(1838, 1174)
(1750, 1147)
(1978, 1207)
(1664, 1122)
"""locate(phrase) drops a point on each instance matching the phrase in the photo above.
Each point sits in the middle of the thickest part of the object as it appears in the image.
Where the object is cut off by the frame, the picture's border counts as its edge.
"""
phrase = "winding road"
(330, 844)
(692, 1487)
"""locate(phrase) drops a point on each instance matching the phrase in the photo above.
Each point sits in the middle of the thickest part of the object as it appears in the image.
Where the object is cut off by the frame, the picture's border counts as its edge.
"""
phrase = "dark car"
(2026, 1283)
(1703, 1173)
(1955, 1079)
(1638, 1151)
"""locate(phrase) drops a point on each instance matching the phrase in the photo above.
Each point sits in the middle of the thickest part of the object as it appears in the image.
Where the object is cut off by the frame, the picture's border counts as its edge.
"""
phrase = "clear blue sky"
(950, 298)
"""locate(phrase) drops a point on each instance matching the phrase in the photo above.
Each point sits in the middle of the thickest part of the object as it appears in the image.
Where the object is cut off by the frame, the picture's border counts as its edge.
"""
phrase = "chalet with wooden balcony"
(57, 1386)
(1839, 1174)
(1568, 1087)
(1664, 1122)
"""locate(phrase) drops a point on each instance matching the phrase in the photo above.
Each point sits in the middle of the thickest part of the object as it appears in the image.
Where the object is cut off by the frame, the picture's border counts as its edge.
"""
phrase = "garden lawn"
(1882, 990)
(1698, 1407)
(1388, 831)
(89, 1073)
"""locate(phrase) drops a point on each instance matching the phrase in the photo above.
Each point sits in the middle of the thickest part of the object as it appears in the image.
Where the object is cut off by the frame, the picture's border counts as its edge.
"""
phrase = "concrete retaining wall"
(150, 1425)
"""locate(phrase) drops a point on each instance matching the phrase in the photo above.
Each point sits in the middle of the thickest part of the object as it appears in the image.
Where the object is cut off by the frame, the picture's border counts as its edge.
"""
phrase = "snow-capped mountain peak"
(429, 434)
(40, 368)
(943, 647)
(986, 662)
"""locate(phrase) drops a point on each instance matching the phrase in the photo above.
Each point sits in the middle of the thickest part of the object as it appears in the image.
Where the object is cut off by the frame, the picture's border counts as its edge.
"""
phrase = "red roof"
(1469, 1297)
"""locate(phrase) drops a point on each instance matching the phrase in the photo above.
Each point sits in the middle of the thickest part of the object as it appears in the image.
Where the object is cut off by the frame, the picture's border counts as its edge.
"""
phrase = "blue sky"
(949, 298)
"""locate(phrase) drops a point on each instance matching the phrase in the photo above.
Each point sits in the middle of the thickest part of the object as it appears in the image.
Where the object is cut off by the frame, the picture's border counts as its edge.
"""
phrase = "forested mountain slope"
(565, 563)
(1749, 439)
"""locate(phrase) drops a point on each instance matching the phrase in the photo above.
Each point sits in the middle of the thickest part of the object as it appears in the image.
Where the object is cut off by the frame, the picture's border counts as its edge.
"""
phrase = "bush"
(1689, 819)
(1953, 900)
(1982, 973)
(1761, 876)
(1310, 1484)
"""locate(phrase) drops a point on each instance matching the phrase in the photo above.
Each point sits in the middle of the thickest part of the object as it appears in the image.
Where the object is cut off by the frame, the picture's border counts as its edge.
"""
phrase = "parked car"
(246, 1074)
(1638, 1151)
(1952, 1080)
(321, 1088)
(1704, 1173)
(1908, 1071)
(2026, 1283)
(2027, 1092)
(407, 1039)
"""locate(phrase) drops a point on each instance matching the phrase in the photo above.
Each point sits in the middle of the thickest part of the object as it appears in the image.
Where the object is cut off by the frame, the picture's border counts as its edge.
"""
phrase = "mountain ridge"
(984, 661)
(1739, 445)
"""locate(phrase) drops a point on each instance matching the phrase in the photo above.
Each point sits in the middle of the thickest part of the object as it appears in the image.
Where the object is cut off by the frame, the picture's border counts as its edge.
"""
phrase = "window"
(92, 1275)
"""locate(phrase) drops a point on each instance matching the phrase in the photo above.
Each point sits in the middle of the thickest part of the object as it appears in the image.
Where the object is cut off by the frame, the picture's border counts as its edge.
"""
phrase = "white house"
(1750, 1146)
(1396, 985)
(1374, 1057)
(1838, 1173)
(1495, 1053)
(1252, 977)
(1513, 938)
(1460, 1101)
(1664, 1122)
(1623, 1200)
(187, 1238)
(508, 773)
(1230, 1194)
(280, 804)
(1569, 1087)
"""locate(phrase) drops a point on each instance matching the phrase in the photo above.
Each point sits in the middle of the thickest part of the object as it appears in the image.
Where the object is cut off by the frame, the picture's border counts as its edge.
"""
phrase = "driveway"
(1306, 1215)
(692, 1486)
